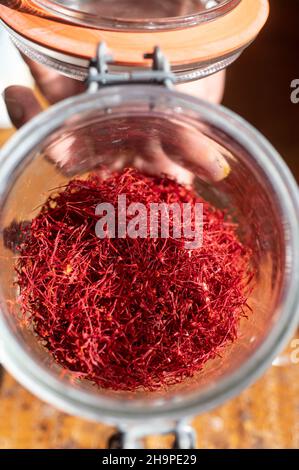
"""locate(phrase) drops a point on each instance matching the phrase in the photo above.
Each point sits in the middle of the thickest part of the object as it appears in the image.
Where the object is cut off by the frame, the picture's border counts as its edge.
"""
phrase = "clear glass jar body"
(112, 127)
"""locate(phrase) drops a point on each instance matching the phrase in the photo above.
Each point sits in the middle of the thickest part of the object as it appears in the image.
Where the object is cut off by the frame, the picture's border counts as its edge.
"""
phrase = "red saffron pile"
(129, 313)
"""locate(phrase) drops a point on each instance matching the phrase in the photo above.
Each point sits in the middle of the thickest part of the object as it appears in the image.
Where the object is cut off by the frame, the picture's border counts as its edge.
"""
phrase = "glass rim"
(41, 381)
(78, 68)
(139, 24)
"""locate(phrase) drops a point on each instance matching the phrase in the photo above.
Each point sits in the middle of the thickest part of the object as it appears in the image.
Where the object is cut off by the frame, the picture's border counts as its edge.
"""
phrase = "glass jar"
(198, 37)
(99, 128)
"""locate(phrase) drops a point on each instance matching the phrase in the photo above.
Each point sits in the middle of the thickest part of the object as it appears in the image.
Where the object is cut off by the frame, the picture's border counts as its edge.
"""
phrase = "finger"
(210, 88)
(190, 148)
(53, 86)
(21, 104)
(154, 161)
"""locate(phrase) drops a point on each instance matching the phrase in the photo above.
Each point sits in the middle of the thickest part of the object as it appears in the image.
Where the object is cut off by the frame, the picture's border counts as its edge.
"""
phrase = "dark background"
(258, 83)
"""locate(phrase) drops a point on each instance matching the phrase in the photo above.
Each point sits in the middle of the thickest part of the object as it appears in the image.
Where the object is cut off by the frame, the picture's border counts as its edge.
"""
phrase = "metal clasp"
(99, 74)
(132, 436)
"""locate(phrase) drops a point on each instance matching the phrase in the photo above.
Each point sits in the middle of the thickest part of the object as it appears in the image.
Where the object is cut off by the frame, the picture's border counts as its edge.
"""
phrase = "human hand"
(187, 152)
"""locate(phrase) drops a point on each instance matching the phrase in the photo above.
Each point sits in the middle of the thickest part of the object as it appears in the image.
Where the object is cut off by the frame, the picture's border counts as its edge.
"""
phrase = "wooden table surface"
(266, 415)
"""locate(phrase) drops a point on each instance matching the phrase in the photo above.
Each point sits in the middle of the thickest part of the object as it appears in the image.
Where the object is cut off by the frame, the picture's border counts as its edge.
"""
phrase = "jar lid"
(198, 37)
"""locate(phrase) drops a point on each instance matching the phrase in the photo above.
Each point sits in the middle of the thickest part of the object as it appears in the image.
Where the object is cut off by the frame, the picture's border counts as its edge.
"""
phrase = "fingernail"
(14, 109)
(226, 170)
(221, 169)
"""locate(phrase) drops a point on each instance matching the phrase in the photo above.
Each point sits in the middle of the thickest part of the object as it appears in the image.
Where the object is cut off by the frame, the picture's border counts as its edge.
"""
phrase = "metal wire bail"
(99, 74)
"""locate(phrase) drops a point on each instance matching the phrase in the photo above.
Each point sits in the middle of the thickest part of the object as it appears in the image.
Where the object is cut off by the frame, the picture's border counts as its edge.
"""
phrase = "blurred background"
(266, 415)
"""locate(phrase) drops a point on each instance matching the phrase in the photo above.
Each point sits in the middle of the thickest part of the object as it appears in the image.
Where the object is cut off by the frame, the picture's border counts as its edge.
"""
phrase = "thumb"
(21, 104)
